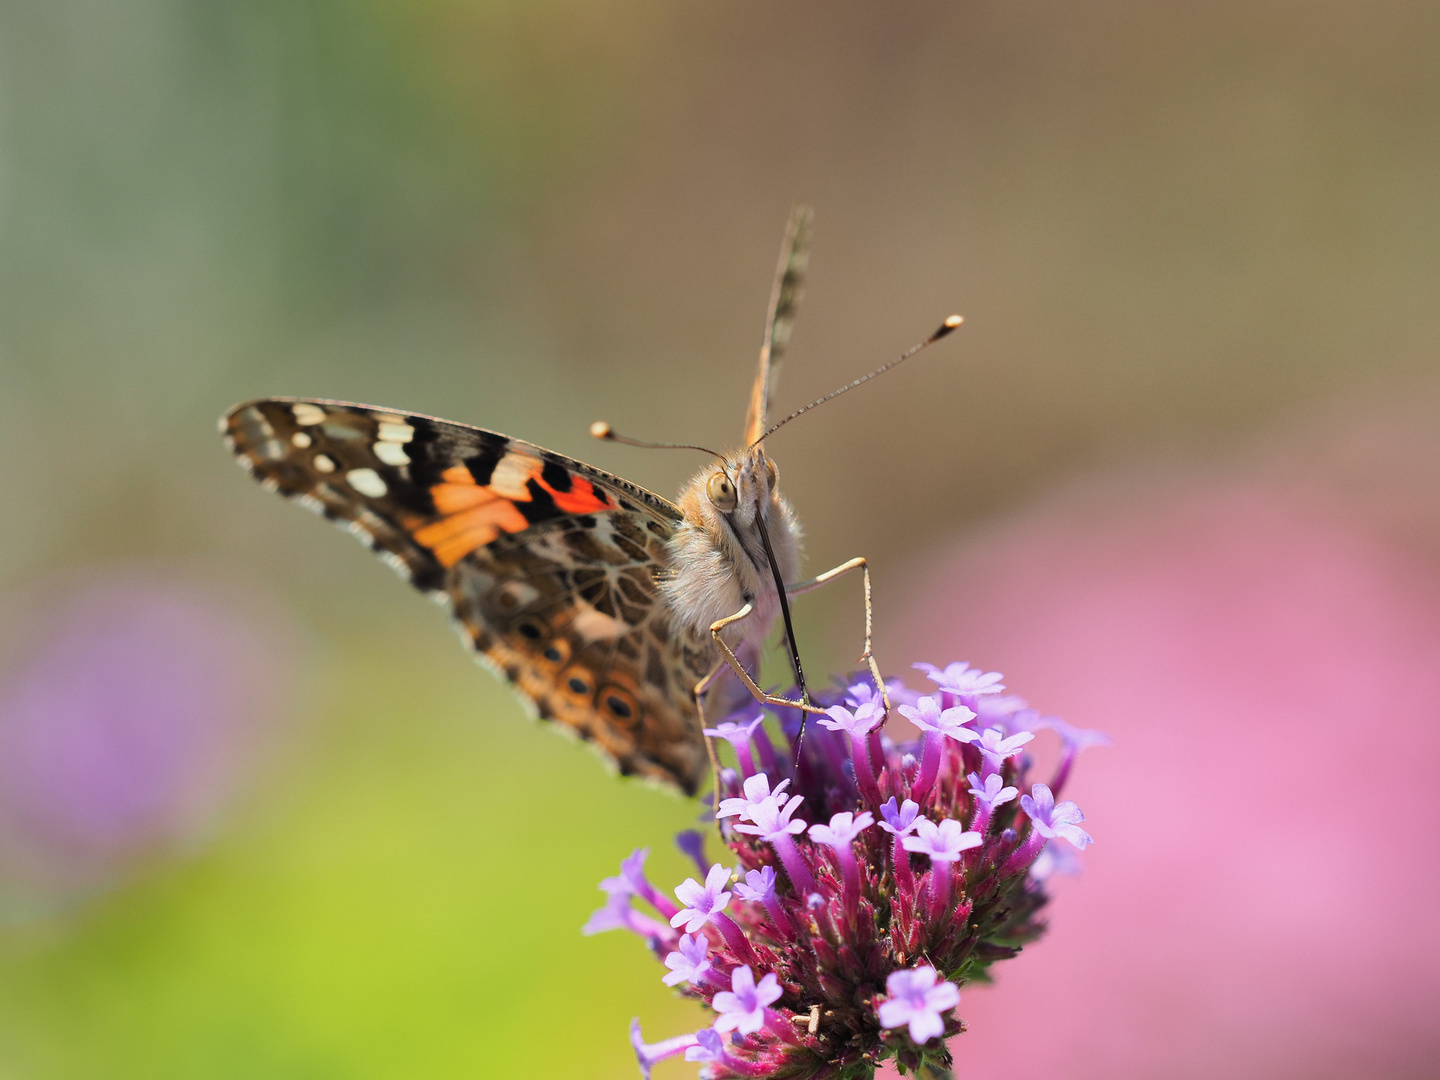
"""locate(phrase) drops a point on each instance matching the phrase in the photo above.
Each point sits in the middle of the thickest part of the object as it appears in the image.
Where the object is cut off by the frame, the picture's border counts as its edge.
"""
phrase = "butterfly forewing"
(548, 565)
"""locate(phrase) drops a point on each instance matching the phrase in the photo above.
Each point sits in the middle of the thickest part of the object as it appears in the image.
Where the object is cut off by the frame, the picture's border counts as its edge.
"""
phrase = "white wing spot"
(307, 414)
(300, 439)
(595, 625)
(366, 482)
(323, 464)
(392, 432)
(511, 475)
(392, 453)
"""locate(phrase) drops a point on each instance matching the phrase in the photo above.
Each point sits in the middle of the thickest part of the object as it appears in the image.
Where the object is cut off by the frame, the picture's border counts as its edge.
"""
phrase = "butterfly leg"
(820, 580)
(744, 676)
(701, 688)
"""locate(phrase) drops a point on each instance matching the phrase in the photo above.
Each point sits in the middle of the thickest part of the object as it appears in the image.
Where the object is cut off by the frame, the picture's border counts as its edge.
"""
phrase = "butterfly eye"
(721, 492)
(771, 473)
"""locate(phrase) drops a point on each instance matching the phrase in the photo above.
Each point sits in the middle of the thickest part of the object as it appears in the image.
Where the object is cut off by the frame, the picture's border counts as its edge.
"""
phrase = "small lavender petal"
(927, 715)
(899, 821)
(916, 1002)
(652, 1054)
(701, 902)
(742, 1007)
(692, 843)
(1050, 820)
(944, 842)
(998, 747)
(758, 886)
(757, 790)
(689, 962)
(990, 792)
(1055, 858)
(842, 830)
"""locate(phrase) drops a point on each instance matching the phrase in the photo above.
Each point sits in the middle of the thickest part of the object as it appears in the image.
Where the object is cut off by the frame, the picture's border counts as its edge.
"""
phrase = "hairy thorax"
(717, 557)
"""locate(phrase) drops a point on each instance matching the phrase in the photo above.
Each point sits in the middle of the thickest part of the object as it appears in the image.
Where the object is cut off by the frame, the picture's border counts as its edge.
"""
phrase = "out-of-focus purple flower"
(738, 735)
(998, 747)
(133, 714)
(701, 902)
(651, 1054)
(692, 844)
(916, 1001)
(1072, 740)
(617, 914)
(962, 680)
(1051, 821)
(742, 1007)
(1055, 858)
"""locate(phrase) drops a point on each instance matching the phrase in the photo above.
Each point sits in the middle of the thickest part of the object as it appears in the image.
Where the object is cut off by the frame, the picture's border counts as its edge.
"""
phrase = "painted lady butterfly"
(608, 608)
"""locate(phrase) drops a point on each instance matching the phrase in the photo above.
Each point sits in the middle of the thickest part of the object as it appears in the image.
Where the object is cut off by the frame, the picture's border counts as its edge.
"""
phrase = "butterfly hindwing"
(549, 566)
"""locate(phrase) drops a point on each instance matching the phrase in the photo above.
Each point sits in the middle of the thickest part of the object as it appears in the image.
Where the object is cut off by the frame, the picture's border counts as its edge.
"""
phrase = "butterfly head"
(743, 487)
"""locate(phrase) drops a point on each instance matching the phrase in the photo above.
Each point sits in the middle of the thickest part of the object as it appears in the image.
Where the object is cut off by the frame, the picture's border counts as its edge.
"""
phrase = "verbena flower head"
(866, 880)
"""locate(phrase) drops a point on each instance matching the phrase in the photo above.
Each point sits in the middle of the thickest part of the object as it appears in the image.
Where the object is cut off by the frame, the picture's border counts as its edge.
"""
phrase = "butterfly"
(619, 615)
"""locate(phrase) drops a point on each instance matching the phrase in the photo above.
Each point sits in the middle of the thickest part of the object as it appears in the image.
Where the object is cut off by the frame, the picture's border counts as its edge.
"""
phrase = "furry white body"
(718, 561)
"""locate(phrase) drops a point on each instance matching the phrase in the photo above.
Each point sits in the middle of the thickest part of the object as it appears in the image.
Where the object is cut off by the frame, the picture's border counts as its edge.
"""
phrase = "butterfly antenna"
(948, 326)
(605, 433)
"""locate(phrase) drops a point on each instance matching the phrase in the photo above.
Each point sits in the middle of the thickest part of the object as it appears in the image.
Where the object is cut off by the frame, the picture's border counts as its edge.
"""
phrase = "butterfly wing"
(548, 566)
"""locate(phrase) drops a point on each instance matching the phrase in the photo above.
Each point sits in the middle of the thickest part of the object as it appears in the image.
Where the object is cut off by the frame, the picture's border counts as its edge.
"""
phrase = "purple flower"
(692, 844)
(709, 1046)
(823, 915)
(650, 1055)
(770, 818)
(962, 680)
(990, 792)
(899, 821)
(1074, 739)
(938, 724)
(701, 902)
(917, 1000)
(757, 790)
(928, 716)
(758, 886)
(139, 712)
(690, 961)
(998, 748)
(1055, 858)
(855, 724)
(842, 830)
(1051, 821)
(738, 736)
(617, 914)
(944, 842)
(742, 1007)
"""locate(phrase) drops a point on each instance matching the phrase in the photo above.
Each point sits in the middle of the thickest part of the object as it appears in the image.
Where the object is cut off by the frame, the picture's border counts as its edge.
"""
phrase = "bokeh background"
(1178, 477)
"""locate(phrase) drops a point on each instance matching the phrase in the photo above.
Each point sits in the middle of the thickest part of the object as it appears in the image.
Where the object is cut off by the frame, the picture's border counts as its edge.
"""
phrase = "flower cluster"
(871, 878)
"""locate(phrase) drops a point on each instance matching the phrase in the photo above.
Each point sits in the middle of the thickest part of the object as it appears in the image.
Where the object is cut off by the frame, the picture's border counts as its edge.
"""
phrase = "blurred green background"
(1172, 229)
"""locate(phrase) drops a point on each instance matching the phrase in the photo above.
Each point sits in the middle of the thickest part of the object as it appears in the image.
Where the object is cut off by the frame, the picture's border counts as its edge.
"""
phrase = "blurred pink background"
(1262, 639)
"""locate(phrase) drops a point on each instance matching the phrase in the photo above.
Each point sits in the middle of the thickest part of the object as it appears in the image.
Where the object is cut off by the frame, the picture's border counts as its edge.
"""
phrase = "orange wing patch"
(520, 494)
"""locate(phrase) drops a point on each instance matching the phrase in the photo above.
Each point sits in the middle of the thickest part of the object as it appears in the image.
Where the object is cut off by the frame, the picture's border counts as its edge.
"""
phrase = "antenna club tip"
(953, 321)
(601, 430)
